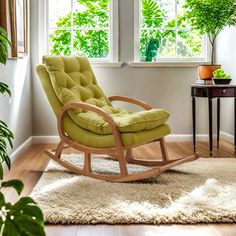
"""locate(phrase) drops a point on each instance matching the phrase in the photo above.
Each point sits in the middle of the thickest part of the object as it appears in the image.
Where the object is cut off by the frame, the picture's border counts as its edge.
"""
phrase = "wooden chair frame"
(123, 154)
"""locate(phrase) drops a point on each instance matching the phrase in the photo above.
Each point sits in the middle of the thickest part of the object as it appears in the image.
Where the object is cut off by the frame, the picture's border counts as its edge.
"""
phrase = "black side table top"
(214, 86)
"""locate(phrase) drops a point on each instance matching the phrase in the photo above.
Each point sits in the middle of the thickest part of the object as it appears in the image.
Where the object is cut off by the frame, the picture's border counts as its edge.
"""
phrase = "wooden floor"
(29, 168)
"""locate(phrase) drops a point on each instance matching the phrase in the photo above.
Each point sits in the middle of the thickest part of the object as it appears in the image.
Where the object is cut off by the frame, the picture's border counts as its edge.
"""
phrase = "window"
(164, 35)
(78, 27)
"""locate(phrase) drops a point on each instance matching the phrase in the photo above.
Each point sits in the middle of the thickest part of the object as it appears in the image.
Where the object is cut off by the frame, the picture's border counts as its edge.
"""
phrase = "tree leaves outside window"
(161, 22)
(85, 30)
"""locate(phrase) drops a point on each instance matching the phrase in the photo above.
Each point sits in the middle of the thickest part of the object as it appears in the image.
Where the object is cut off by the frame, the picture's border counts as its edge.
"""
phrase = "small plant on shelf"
(151, 49)
(220, 74)
(23, 217)
(220, 77)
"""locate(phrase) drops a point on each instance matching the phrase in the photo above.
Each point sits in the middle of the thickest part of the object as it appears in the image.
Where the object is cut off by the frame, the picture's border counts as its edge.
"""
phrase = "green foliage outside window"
(95, 43)
(189, 43)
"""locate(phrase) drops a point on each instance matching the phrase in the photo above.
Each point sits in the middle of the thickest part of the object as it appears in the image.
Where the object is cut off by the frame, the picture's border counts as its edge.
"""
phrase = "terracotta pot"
(205, 71)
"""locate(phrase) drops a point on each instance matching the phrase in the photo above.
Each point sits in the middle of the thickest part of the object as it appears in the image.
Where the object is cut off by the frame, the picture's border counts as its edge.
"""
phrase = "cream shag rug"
(200, 191)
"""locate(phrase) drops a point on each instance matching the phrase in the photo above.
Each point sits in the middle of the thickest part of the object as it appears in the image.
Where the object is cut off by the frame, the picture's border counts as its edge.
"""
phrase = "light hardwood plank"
(59, 230)
(224, 229)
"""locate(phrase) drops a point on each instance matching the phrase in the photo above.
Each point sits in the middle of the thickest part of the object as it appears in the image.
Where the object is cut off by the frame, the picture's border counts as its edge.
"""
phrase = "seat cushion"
(73, 80)
(125, 120)
(131, 139)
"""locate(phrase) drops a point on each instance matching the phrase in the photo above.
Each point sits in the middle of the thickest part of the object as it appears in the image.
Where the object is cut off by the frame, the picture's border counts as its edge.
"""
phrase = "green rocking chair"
(88, 122)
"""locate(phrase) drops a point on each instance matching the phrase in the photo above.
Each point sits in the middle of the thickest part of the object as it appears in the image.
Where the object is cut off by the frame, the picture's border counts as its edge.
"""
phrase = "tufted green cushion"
(73, 80)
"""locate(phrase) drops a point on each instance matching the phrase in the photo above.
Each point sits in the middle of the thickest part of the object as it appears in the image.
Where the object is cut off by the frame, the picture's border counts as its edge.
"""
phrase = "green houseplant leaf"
(4, 157)
(4, 89)
(15, 183)
(210, 17)
(5, 135)
(4, 41)
(22, 218)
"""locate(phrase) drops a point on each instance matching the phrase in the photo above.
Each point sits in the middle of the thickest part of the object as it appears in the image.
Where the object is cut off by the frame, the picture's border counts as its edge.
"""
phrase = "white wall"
(16, 111)
(168, 88)
(226, 56)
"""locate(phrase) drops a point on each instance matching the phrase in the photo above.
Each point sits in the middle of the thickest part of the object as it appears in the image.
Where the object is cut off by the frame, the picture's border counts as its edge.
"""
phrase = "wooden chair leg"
(164, 152)
(87, 162)
(129, 154)
(59, 149)
(122, 162)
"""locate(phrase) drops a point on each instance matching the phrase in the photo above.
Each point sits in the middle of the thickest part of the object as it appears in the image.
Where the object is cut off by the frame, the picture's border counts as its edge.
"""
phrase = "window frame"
(175, 62)
(111, 61)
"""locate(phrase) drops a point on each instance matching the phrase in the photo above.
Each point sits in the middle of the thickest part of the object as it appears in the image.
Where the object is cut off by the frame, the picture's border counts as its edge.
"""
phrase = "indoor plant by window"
(23, 217)
(151, 49)
(210, 17)
(220, 77)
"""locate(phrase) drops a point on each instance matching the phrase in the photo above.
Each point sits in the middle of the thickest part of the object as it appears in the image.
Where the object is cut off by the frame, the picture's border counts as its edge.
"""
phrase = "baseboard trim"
(169, 138)
(226, 136)
(45, 139)
(22, 148)
(186, 137)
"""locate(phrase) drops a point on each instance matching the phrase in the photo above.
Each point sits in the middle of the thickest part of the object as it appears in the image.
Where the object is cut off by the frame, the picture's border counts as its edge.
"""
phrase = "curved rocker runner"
(88, 122)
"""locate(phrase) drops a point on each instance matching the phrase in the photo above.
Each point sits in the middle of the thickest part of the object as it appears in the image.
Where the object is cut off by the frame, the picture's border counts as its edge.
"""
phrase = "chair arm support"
(131, 100)
(89, 107)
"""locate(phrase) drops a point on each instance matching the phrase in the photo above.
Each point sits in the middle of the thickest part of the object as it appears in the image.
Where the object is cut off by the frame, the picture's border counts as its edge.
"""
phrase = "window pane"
(152, 14)
(91, 13)
(168, 44)
(180, 9)
(189, 44)
(93, 43)
(59, 13)
(157, 13)
(168, 7)
(60, 42)
(180, 13)
(20, 14)
(79, 26)
(146, 37)
(158, 18)
(158, 44)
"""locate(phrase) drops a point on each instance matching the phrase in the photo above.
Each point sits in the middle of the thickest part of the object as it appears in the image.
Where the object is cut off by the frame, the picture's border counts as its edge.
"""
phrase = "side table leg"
(218, 123)
(210, 124)
(235, 125)
(194, 123)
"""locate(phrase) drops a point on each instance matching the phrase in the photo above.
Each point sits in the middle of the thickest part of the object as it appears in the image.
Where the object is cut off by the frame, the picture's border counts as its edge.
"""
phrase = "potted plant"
(220, 77)
(23, 217)
(210, 17)
(151, 49)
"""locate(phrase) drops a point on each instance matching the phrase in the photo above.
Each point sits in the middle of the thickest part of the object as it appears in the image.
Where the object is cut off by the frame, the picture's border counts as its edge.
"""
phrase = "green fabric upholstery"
(86, 136)
(73, 80)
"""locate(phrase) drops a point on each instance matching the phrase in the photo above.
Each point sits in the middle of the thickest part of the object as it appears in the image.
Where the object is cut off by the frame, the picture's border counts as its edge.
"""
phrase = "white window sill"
(106, 64)
(168, 64)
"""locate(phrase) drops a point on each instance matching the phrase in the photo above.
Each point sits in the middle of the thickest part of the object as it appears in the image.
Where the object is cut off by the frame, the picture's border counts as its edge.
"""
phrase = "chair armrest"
(131, 100)
(88, 107)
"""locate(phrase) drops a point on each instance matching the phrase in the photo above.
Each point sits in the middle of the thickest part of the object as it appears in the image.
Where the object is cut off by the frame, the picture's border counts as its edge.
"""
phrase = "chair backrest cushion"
(73, 80)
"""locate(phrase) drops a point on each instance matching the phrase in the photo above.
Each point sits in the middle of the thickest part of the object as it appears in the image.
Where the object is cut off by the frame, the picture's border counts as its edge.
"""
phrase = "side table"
(210, 92)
